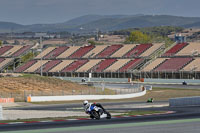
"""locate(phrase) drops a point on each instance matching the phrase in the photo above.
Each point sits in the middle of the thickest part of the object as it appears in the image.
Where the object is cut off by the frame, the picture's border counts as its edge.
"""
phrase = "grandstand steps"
(153, 57)
(157, 53)
(140, 64)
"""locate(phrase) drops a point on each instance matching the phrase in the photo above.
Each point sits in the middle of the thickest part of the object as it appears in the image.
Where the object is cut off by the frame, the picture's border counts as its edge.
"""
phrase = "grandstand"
(81, 51)
(108, 51)
(11, 54)
(175, 49)
(153, 64)
(74, 66)
(150, 60)
(55, 52)
(95, 51)
(192, 49)
(194, 66)
(138, 50)
(173, 64)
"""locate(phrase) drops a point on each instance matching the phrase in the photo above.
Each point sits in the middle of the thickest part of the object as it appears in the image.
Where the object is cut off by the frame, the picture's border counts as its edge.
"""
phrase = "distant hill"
(91, 23)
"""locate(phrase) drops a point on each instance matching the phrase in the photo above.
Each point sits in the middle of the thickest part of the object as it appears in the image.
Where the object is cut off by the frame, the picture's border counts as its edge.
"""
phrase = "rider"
(86, 105)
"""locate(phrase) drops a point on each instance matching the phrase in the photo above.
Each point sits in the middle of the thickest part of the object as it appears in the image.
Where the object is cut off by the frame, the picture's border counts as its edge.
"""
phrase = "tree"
(138, 37)
(27, 57)
(0, 43)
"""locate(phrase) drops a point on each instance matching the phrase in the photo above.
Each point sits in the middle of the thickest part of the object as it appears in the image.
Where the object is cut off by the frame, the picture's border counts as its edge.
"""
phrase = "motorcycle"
(97, 113)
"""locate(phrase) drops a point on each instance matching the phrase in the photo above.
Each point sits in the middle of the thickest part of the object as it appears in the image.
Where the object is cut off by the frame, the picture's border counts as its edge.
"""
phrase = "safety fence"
(22, 95)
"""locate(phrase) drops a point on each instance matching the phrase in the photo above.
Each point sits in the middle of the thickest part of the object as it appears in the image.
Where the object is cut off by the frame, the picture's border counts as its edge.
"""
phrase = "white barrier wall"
(185, 101)
(1, 113)
(82, 97)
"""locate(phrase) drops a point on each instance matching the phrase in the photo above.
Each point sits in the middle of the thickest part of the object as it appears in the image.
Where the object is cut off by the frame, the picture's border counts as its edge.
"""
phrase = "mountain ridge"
(91, 23)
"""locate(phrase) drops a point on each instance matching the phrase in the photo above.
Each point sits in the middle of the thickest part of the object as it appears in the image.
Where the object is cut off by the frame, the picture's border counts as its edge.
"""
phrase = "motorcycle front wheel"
(95, 114)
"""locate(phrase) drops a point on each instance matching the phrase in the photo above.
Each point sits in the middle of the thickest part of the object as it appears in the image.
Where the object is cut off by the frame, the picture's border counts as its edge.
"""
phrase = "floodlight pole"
(41, 68)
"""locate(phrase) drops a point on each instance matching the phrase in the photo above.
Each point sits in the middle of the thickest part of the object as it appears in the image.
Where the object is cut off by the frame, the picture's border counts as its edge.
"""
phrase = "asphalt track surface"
(183, 114)
(185, 120)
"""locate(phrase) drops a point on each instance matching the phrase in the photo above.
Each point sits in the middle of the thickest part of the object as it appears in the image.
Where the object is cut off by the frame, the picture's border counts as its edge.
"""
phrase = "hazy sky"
(51, 11)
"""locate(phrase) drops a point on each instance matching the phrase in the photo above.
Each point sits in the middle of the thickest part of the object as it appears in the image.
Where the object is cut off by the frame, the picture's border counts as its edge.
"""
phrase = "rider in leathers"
(86, 105)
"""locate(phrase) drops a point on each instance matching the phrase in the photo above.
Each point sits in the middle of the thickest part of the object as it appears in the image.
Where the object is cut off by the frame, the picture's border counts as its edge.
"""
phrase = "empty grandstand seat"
(193, 66)
(25, 66)
(130, 65)
(138, 50)
(175, 49)
(153, 64)
(56, 52)
(103, 65)
(49, 65)
(117, 65)
(82, 51)
(22, 50)
(173, 64)
(9, 52)
(5, 49)
(74, 65)
(192, 49)
(108, 51)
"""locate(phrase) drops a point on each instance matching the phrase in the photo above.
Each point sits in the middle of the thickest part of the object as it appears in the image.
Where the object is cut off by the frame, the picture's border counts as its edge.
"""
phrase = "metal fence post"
(24, 95)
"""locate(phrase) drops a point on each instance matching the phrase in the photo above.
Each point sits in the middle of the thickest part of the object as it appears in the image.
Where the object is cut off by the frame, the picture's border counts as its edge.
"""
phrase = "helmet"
(85, 102)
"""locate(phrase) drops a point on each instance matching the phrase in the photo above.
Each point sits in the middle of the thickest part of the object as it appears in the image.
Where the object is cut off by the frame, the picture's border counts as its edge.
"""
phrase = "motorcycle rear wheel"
(108, 115)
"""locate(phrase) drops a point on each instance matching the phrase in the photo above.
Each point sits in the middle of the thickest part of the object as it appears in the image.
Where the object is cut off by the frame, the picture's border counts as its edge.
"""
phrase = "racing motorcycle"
(97, 113)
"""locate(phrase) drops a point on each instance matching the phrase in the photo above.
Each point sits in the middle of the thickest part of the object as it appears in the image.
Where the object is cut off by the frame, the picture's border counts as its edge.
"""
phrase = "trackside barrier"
(7, 100)
(1, 113)
(185, 101)
(82, 97)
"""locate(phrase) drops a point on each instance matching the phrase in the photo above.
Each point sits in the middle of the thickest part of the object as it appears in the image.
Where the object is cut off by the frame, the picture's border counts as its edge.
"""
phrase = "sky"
(54, 11)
